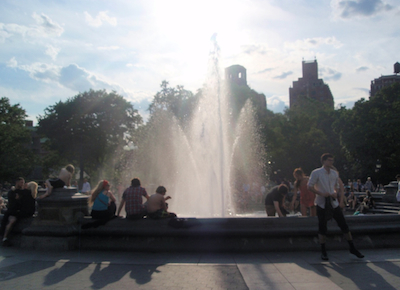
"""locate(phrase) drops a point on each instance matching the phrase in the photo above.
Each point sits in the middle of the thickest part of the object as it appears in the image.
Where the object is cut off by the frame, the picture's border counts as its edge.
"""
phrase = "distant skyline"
(52, 50)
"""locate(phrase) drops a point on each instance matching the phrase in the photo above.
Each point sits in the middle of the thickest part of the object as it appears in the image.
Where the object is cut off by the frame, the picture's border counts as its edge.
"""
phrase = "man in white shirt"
(85, 187)
(324, 182)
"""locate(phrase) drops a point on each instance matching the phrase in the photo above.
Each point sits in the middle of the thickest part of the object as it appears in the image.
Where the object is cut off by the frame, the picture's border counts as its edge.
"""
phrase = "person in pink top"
(307, 197)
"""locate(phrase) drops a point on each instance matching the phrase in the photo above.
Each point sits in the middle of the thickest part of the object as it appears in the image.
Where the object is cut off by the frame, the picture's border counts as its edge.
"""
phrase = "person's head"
(298, 173)
(101, 186)
(327, 159)
(135, 182)
(19, 183)
(70, 168)
(283, 189)
(369, 179)
(398, 177)
(161, 190)
(85, 179)
(33, 187)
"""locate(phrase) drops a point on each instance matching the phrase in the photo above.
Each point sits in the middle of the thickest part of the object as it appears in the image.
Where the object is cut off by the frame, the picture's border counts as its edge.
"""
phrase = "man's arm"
(278, 209)
(311, 185)
(120, 206)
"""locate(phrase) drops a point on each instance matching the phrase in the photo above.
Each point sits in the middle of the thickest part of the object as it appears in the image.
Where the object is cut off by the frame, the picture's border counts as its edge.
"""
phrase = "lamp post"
(378, 166)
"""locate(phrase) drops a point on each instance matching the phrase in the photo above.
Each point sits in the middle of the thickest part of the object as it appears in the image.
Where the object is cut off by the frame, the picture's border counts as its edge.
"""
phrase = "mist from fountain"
(204, 164)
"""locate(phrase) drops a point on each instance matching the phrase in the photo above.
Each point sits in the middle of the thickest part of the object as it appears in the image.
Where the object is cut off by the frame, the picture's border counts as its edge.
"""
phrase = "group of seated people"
(102, 201)
(21, 204)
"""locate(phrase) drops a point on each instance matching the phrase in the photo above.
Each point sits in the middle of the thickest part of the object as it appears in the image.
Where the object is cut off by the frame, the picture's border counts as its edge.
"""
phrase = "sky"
(53, 50)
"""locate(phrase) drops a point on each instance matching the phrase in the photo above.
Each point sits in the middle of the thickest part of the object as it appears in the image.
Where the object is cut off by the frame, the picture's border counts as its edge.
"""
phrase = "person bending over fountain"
(64, 179)
(274, 201)
(324, 182)
(157, 208)
(132, 200)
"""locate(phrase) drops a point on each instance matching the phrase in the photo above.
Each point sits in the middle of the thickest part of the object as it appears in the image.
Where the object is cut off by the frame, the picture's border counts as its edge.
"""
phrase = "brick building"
(310, 86)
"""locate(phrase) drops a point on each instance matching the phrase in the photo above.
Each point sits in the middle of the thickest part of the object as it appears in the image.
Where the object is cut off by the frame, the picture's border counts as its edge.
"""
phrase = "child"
(64, 179)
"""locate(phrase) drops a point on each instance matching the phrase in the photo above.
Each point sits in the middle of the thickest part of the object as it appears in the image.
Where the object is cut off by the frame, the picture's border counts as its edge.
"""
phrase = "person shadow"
(68, 269)
(363, 276)
(111, 273)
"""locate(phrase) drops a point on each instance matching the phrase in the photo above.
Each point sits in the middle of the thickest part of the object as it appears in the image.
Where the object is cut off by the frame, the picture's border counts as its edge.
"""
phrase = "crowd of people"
(322, 194)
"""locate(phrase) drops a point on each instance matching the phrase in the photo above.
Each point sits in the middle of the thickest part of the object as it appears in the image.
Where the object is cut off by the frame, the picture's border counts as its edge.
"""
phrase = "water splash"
(203, 164)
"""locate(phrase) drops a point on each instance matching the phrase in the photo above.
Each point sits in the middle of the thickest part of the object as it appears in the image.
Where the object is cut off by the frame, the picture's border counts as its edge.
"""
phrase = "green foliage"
(178, 101)
(299, 137)
(369, 132)
(15, 155)
(93, 127)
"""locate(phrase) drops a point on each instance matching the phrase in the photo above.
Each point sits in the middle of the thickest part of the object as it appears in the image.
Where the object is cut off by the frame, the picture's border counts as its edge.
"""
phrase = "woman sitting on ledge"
(103, 205)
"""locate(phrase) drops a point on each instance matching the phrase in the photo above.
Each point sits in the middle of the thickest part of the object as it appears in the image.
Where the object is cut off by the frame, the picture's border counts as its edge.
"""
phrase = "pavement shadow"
(104, 275)
(360, 274)
(68, 269)
(391, 267)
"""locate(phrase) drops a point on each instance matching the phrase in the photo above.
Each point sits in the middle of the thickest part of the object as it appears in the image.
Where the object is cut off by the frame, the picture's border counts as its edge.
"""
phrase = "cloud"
(72, 76)
(12, 63)
(283, 75)
(309, 43)
(254, 49)
(363, 90)
(52, 51)
(44, 27)
(359, 8)
(264, 70)
(100, 18)
(47, 26)
(276, 104)
(362, 68)
(329, 74)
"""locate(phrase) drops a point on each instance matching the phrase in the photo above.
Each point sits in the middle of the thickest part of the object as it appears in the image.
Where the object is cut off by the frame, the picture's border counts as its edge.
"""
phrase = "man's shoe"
(324, 256)
(356, 253)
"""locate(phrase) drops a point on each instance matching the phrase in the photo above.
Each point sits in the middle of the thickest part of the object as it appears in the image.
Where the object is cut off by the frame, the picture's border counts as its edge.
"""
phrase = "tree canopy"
(15, 154)
(92, 126)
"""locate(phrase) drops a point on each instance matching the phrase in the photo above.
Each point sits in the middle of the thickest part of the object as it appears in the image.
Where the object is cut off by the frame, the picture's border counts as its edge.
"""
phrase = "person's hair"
(326, 156)
(397, 176)
(161, 189)
(298, 172)
(33, 186)
(70, 168)
(19, 179)
(283, 189)
(96, 191)
(135, 182)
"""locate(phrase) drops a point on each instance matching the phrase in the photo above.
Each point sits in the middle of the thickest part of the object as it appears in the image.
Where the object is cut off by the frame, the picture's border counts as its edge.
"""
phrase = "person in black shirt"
(274, 201)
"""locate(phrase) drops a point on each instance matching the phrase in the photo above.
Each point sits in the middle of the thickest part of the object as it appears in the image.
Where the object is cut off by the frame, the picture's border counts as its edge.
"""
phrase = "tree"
(16, 157)
(178, 101)
(92, 128)
(299, 137)
(369, 132)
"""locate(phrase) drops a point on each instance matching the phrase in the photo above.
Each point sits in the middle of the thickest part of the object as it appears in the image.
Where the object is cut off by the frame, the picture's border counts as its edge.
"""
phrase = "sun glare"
(189, 26)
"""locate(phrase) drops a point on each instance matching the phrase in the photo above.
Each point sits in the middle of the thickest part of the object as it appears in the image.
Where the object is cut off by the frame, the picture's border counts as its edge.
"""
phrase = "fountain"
(204, 164)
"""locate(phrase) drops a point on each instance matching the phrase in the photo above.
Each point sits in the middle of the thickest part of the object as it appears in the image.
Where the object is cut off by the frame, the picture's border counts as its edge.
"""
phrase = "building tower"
(237, 74)
(310, 86)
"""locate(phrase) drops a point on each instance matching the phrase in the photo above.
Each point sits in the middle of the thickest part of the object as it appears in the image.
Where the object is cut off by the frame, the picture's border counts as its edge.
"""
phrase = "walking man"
(324, 182)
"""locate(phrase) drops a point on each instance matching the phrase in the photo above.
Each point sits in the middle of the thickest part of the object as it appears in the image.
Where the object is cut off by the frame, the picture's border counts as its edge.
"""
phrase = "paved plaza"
(21, 269)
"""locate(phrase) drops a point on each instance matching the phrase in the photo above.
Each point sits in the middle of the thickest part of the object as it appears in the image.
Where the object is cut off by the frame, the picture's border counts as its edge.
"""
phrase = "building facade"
(310, 86)
(385, 81)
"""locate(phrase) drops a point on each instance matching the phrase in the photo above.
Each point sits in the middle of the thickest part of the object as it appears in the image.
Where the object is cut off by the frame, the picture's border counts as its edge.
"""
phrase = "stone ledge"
(217, 234)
